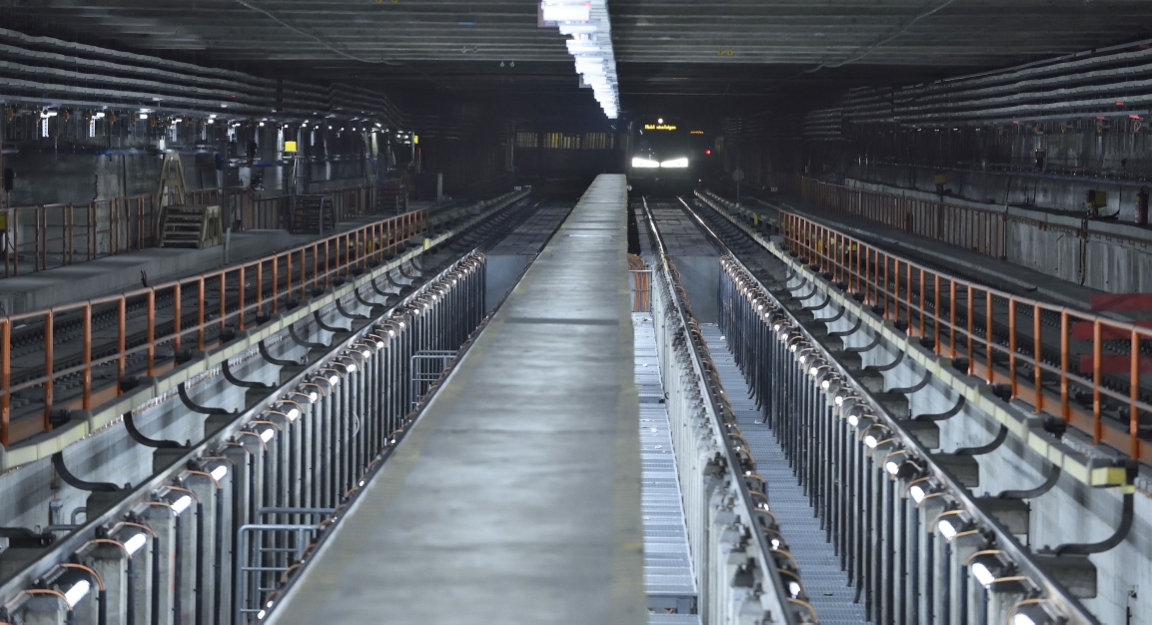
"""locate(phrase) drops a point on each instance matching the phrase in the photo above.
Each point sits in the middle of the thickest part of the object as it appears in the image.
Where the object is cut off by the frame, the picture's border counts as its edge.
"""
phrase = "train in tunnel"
(661, 159)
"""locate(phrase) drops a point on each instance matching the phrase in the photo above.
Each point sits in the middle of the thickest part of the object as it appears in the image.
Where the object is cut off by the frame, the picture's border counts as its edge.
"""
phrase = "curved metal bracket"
(195, 407)
(947, 414)
(827, 298)
(915, 387)
(872, 345)
(325, 326)
(417, 266)
(232, 379)
(279, 361)
(815, 289)
(1075, 549)
(850, 331)
(301, 342)
(836, 317)
(364, 302)
(379, 291)
(888, 367)
(1053, 477)
(139, 436)
(983, 449)
(392, 281)
(405, 273)
(353, 316)
(71, 479)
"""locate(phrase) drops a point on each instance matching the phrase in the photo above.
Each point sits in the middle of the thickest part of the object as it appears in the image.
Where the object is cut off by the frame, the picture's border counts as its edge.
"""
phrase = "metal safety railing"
(232, 295)
(56, 235)
(641, 284)
(974, 229)
(1080, 367)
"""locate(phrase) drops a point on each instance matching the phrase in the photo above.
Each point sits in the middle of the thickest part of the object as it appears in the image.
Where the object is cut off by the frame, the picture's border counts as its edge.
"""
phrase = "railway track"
(994, 335)
(62, 360)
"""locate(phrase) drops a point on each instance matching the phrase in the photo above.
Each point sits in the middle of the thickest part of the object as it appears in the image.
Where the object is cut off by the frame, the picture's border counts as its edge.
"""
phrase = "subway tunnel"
(575, 311)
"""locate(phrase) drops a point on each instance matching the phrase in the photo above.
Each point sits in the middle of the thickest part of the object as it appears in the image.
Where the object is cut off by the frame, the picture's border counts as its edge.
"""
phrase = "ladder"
(313, 214)
(191, 226)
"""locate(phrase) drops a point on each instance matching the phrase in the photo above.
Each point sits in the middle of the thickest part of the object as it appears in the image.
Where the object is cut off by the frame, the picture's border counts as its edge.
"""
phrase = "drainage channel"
(669, 580)
(827, 584)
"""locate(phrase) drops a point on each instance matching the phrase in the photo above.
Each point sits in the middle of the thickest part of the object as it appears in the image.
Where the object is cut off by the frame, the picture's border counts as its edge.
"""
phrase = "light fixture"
(74, 594)
(588, 24)
(219, 472)
(132, 545)
(644, 163)
(181, 504)
(676, 163)
(292, 414)
(982, 574)
(794, 589)
(266, 434)
(947, 529)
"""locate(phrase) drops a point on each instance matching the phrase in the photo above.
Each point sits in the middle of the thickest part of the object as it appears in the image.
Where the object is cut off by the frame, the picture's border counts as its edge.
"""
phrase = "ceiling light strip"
(586, 24)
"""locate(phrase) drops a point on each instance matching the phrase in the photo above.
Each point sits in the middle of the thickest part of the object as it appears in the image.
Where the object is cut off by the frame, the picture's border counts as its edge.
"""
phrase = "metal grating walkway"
(827, 585)
(668, 577)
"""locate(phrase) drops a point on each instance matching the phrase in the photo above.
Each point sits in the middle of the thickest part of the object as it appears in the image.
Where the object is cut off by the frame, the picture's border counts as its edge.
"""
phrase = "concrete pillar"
(162, 520)
(111, 563)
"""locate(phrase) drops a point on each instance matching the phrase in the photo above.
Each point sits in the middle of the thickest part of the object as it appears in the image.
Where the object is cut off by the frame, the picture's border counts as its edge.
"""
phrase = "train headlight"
(676, 163)
(644, 162)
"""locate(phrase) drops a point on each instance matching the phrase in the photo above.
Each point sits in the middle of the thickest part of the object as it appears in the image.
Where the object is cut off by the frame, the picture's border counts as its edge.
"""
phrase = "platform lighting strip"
(586, 23)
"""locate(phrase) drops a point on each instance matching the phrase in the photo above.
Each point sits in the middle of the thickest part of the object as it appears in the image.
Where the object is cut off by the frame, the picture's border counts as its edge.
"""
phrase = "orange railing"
(218, 298)
(975, 229)
(55, 235)
(1074, 365)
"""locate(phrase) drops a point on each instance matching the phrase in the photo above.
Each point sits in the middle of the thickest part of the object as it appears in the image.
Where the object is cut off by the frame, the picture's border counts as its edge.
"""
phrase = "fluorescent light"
(266, 434)
(892, 467)
(293, 414)
(917, 493)
(219, 472)
(947, 530)
(333, 379)
(794, 589)
(313, 395)
(1022, 619)
(982, 574)
(132, 545)
(871, 441)
(181, 504)
(679, 163)
(644, 163)
(74, 594)
(567, 12)
(352, 368)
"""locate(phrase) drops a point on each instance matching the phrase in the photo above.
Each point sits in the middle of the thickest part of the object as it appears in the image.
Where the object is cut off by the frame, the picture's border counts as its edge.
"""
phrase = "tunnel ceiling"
(751, 51)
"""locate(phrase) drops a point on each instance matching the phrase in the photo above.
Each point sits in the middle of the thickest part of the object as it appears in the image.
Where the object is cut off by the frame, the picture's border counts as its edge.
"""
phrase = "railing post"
(5, 379)
(86, 402)
(48, 369)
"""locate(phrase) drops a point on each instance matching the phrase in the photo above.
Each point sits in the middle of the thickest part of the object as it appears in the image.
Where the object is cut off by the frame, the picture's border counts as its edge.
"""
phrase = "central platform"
(516, 496)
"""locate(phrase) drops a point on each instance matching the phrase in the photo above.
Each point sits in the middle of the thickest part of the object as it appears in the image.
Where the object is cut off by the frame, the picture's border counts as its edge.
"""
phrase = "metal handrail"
(928, 301)
(80, 232)
(332, 257)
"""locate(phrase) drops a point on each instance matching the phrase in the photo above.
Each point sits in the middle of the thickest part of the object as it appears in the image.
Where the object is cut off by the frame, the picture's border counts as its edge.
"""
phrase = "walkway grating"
(827, 585)
(668, 577)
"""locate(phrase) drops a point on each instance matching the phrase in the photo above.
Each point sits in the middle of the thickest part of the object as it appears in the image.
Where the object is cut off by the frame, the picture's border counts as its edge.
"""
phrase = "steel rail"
(890, 282)
(666, 274)
(342, 254)
(1021, 556)
(63, 547)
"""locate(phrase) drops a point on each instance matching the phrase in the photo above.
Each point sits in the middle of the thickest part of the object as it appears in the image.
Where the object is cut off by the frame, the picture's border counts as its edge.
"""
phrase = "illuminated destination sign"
(659, 127)
(695, 132)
